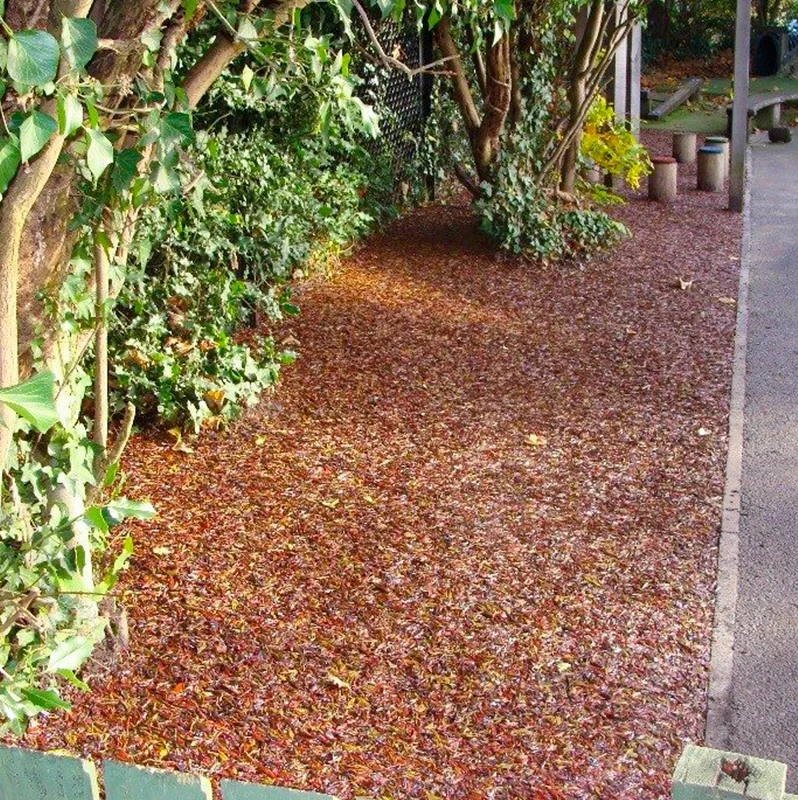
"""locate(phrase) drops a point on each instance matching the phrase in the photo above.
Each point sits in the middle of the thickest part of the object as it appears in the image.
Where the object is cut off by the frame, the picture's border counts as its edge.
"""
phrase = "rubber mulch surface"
(466, 550)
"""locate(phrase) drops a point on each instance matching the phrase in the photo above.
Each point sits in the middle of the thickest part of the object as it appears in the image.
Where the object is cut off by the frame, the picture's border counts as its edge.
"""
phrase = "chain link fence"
(401, 101)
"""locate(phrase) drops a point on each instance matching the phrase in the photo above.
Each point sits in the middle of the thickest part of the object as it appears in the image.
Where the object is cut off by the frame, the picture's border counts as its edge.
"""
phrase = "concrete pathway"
(763, 719)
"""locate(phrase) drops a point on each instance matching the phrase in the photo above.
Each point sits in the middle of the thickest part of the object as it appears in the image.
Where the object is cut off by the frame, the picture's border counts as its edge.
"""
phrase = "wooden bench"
(681, 95)
(765, 108)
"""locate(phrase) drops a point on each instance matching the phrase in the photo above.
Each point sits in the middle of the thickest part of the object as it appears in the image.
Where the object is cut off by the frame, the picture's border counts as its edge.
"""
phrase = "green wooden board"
(129, 782)
(32, 775)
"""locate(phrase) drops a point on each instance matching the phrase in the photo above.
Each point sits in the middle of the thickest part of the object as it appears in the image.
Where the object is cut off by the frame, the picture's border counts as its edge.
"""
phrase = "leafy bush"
(48, 618)
(221, 258)
(612, 146)
(526, 219)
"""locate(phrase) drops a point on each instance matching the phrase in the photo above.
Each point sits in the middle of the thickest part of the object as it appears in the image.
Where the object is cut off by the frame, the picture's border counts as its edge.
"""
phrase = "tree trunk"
(485, 145)
(576, 97)
(586, 52)
(100, 431)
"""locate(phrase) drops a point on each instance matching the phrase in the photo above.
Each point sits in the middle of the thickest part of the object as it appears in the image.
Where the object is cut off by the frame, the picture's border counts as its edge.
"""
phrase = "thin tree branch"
(390, 61)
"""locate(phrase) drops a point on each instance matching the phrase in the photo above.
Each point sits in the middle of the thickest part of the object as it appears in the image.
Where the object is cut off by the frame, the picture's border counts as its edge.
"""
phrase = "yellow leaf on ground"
(336, 681)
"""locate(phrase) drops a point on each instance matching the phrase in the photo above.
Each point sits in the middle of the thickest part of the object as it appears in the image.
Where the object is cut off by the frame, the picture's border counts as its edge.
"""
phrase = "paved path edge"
(719, 696)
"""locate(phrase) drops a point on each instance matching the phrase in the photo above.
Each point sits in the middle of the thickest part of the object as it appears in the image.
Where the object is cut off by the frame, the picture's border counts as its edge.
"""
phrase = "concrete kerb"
(719, 699)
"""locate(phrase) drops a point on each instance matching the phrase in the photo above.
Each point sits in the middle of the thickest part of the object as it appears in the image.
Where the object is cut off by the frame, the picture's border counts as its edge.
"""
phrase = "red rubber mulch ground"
(468, 549)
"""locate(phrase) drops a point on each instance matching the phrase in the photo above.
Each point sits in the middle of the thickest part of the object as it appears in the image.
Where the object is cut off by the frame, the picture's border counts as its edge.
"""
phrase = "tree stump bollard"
(711, 173)
(769, 117)
(684, 147)
(662, 182)
(720, 141)
(591, 173)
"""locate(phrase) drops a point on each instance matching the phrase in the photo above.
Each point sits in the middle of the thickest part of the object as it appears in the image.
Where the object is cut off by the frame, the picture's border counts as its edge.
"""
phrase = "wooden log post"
(711, 173)
(684, 147)
(619, 86)
(662, 187)
(28, 774)
(706, 774)
(724, 143)
(130, 782)
(769, 117)
(633, 76)
(742, 57)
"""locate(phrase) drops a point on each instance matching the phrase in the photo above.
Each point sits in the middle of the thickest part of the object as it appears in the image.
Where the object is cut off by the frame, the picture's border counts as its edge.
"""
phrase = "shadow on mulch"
(466, 550)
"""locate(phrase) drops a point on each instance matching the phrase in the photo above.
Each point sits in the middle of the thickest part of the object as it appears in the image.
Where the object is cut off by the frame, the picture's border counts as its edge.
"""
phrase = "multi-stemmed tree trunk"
(588, 42)
(491, 101)
(484, 123)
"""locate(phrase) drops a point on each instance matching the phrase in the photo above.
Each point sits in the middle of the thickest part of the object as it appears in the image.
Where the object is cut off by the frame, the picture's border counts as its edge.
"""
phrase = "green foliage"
(45, 634)
(32, 58)
(612, 146)
(690, 28)
(222, 258)
(525, 219)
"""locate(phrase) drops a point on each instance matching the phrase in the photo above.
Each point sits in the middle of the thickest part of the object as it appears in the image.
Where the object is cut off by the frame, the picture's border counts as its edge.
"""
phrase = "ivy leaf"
(504, 9)
(44, 699)
(125, 169)
(33, 400)
(151, 39)
(100, 153)
(3, 54)
(33, 57)
(176, 127)
(122, 509)
(9, 162)
(70, 654)
(164, 179)
(246, 77)
(34, 133)
(246, 30)
(189, 7)
(344, 9)
(79, 40)
(70, 114)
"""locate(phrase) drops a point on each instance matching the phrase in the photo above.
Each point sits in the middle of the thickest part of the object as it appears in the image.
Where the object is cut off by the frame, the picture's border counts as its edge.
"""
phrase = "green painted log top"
(32, 775)
(698, 776)
(129, 782)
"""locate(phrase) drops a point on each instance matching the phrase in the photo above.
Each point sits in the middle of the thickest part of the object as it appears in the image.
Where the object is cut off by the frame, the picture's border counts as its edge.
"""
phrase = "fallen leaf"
(336, 681)
(179, 445)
